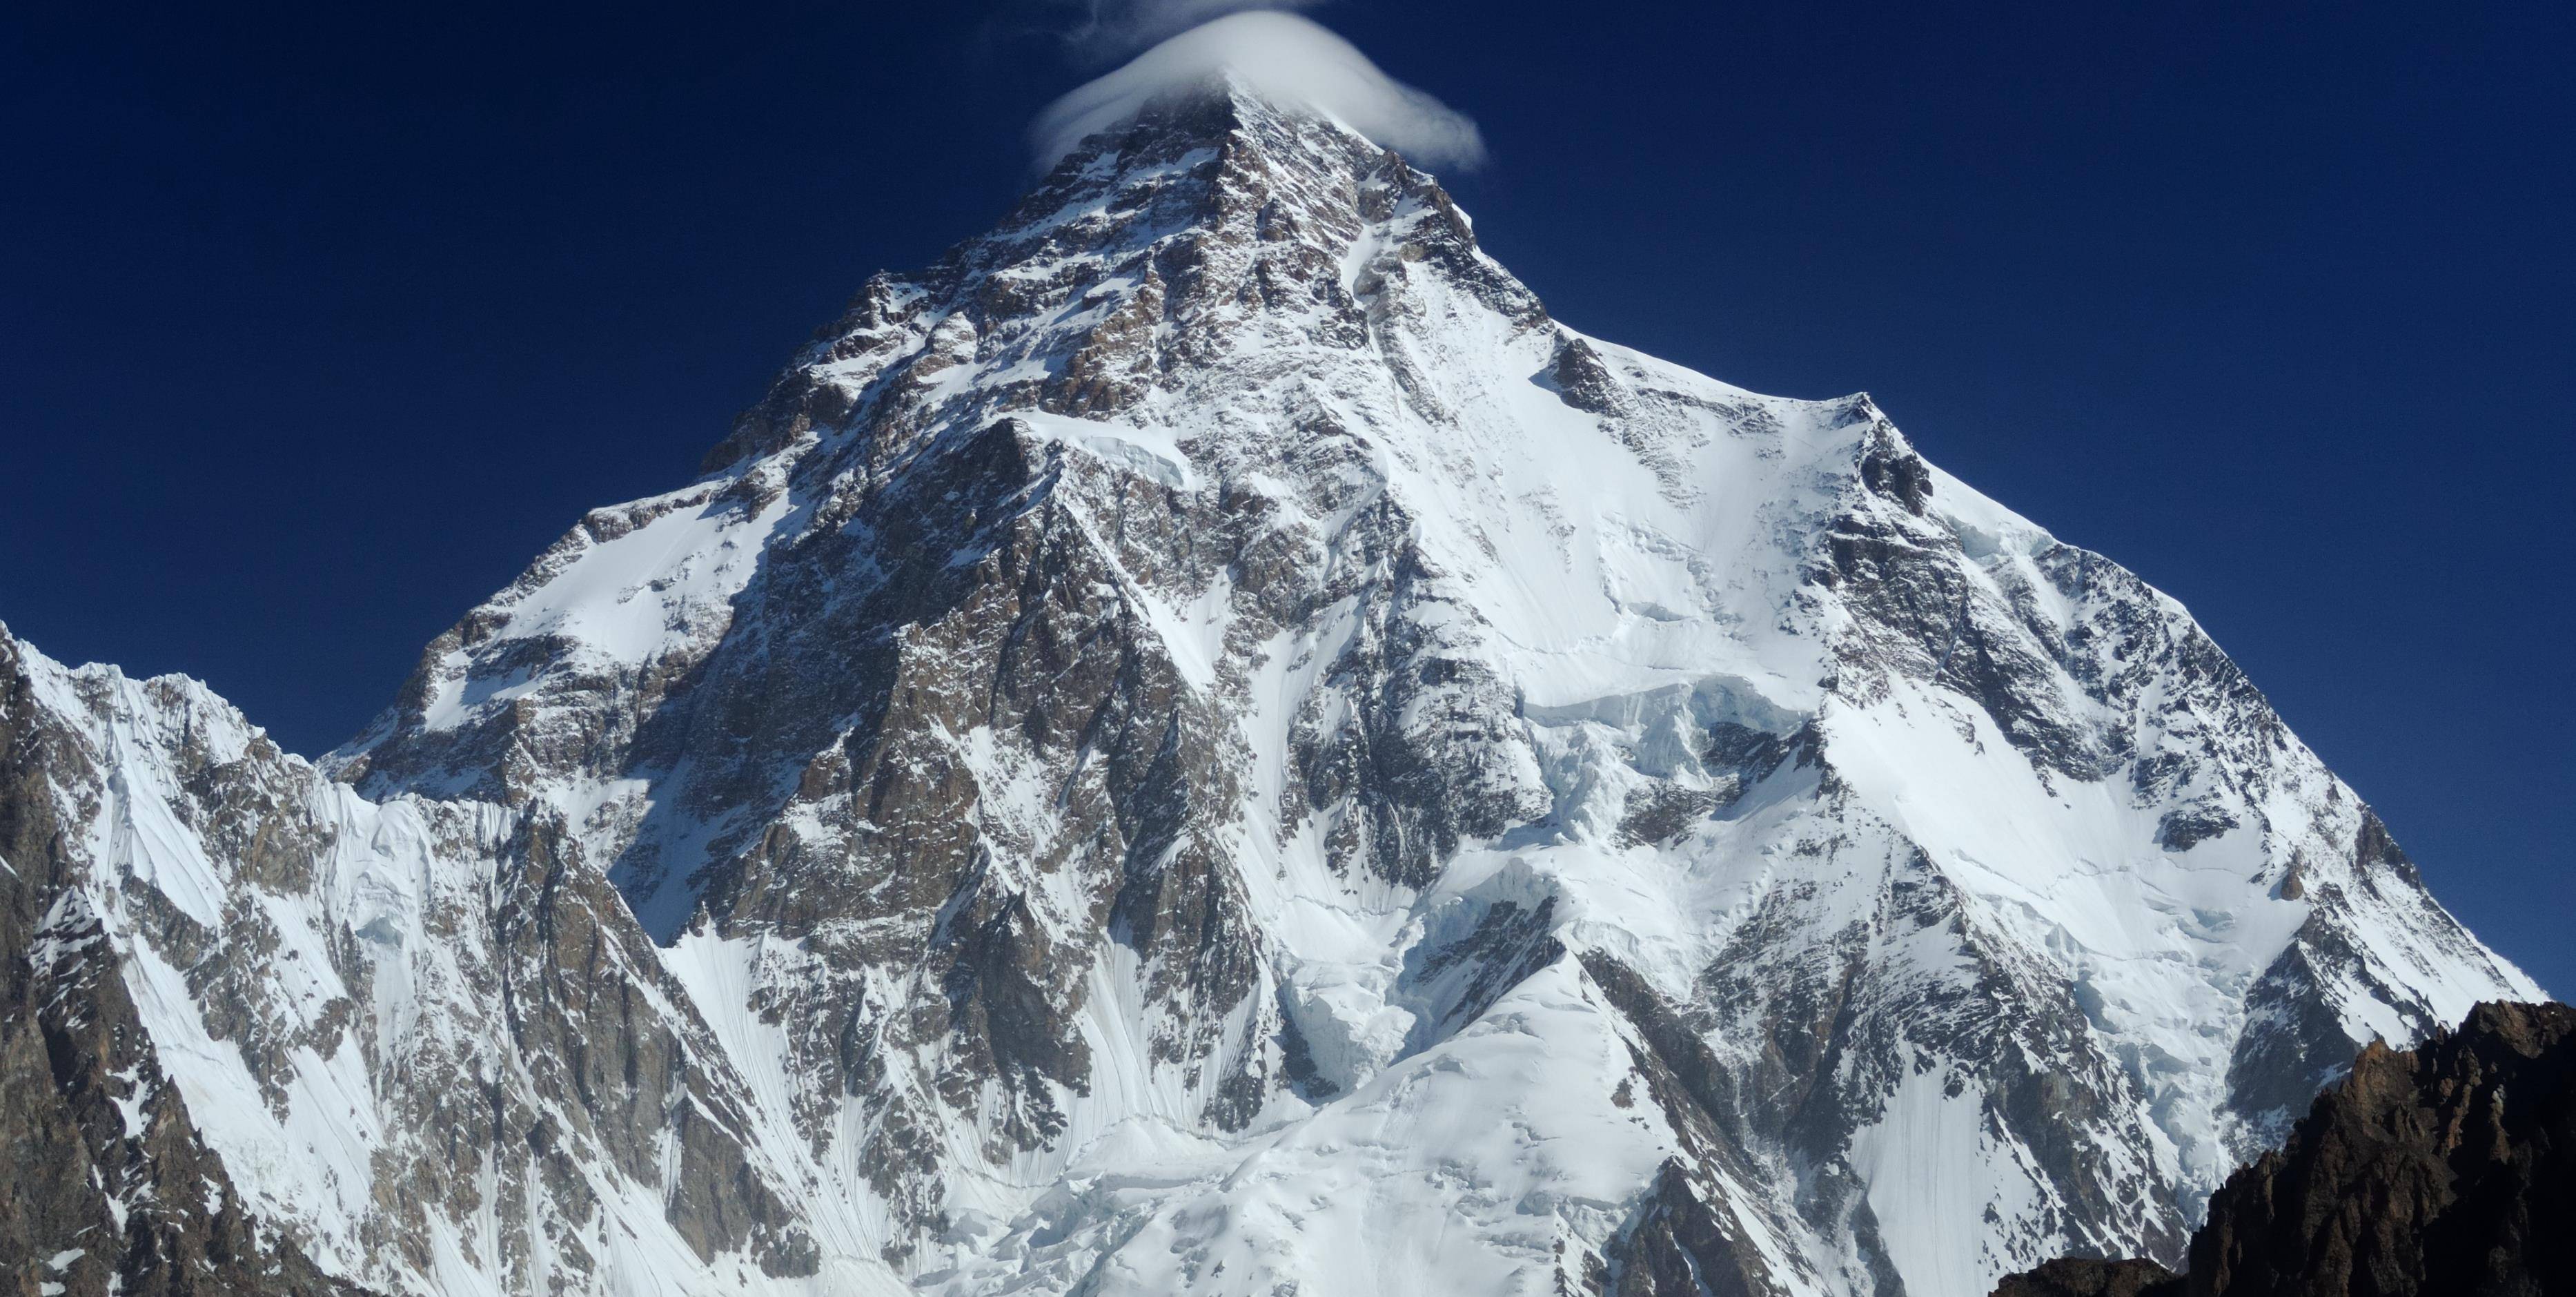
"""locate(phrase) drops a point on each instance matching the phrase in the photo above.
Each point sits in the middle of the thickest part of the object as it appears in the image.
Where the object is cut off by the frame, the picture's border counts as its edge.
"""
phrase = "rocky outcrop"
(2074, 1278)
(1681, 1245)
(2449, 1168)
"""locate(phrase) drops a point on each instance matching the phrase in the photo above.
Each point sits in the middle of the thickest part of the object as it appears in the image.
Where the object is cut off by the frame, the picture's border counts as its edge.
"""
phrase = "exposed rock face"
(1682, 1244)
(105, 1186)
(393, 1024)
(2448, 1168)
(1205, 743)
(2073, 1278)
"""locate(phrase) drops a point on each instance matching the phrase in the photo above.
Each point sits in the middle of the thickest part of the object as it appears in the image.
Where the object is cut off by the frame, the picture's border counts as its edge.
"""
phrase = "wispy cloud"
(1285, 59)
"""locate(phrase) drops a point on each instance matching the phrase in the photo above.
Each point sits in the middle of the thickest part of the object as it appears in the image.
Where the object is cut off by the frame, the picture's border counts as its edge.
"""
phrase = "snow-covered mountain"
(1205, 743)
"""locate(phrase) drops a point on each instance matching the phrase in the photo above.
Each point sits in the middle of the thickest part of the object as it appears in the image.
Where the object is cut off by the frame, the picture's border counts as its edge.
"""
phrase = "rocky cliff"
(105, 1183)
(2448, 1168)
(1205, 742)
(2075, 1277)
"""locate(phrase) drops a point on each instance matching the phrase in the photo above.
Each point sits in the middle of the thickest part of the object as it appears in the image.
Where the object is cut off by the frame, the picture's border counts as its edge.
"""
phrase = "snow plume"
(1284, 59)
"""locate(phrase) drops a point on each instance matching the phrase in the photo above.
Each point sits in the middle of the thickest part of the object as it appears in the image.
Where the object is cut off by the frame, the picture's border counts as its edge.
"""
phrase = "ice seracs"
(1206, 743)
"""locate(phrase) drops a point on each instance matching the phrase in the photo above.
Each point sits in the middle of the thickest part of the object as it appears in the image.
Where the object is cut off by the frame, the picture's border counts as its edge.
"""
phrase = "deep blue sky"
(316, 324)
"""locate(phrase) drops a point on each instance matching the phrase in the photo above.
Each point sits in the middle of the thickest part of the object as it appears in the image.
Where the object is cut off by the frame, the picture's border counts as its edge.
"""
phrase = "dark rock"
(2450, 1168)
(1682, 1246)
(1894, 471)
(2185, 827)
(1744, 749)
(1581, 378)
(2070, 1277)
(2446, 1169)
(1661, 813)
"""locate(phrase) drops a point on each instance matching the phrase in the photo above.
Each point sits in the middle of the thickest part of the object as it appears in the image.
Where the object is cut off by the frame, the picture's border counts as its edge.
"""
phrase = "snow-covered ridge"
(1205, 743)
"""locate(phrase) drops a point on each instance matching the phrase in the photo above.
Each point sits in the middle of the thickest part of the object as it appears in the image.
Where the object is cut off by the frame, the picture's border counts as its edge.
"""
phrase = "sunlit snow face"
(1282, 58)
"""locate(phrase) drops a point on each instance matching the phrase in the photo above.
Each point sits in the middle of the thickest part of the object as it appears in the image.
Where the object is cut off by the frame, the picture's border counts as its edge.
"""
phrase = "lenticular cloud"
(1117, 28)
(1283, 58)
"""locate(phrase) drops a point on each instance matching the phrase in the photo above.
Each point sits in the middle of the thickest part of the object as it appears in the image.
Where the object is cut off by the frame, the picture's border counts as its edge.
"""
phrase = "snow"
(1152, 453)
(620, 591)
(1936, 1179)
(147, 843)
(1406, 1185)
(618, 596)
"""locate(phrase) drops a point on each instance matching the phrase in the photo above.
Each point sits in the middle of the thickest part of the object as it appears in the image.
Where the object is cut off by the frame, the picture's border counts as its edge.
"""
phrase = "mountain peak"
(1204, 732)
(1210, 221)
(1274, 57)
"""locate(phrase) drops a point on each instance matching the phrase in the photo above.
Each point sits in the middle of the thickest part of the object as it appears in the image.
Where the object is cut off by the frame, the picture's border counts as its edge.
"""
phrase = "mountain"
(1206, 743)
(2448, 1168)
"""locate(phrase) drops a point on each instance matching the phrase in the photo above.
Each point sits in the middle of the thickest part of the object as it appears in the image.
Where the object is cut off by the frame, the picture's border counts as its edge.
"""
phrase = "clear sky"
(317, 322)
